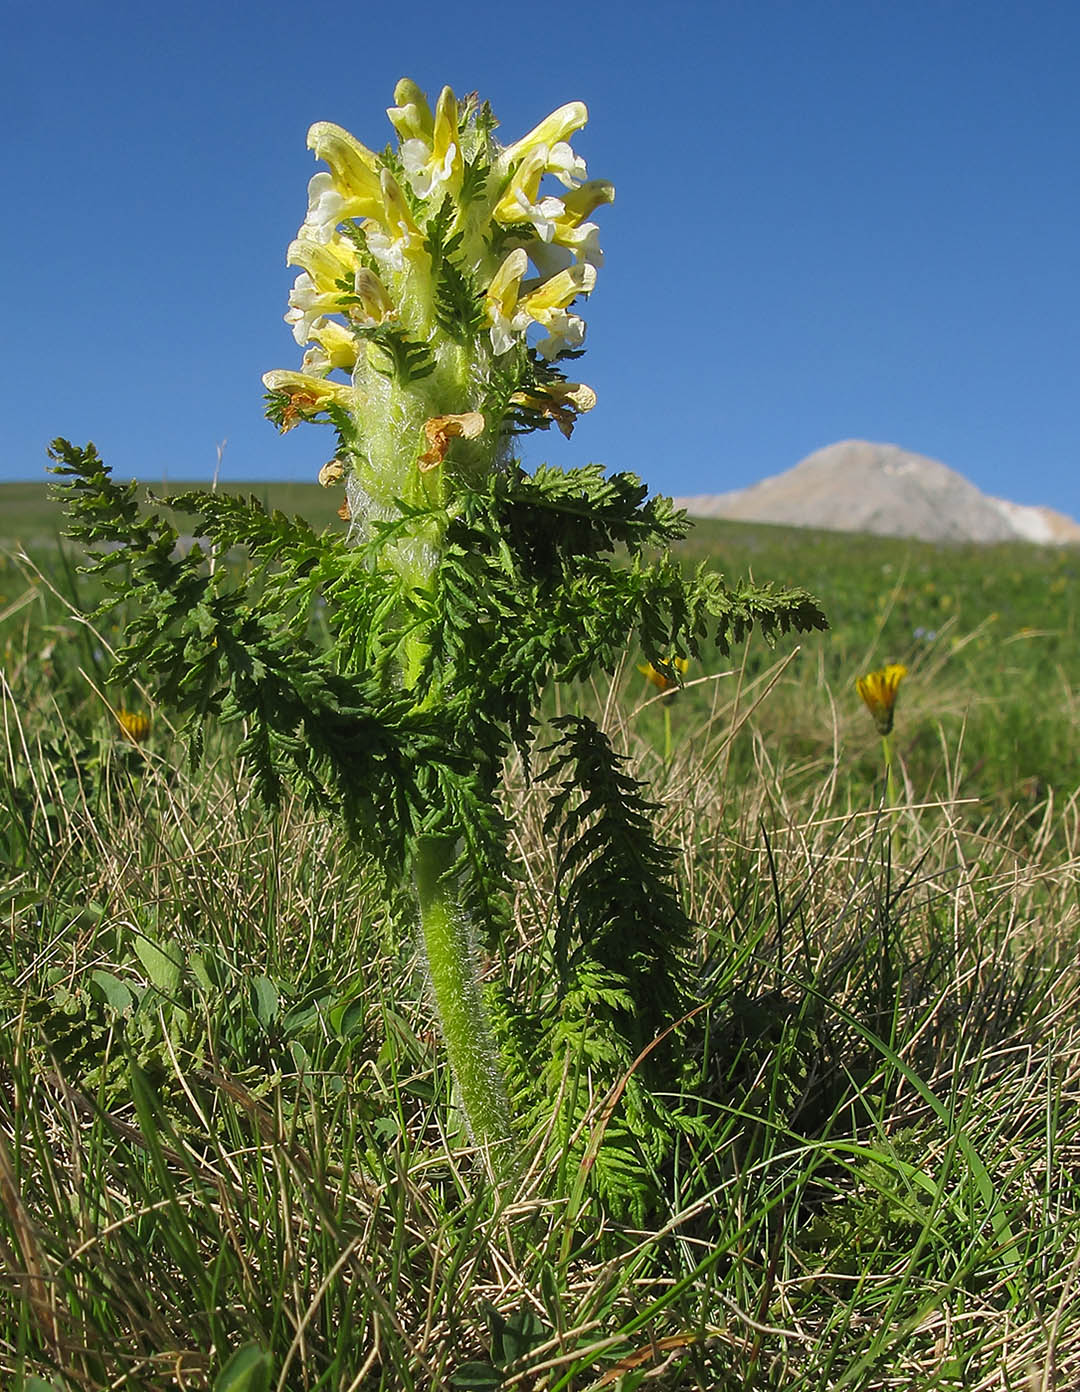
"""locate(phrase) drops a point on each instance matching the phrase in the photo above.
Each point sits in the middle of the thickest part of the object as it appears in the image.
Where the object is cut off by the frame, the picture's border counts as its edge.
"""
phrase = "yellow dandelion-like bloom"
(878, 690)
(135, 725)
(662, 680)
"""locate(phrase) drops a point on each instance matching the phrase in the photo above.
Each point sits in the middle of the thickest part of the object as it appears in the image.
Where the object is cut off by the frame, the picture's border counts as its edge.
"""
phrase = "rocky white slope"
(858, 486)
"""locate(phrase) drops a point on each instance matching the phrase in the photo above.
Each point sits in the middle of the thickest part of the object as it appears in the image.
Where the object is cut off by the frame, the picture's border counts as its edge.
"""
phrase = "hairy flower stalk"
(435, 298)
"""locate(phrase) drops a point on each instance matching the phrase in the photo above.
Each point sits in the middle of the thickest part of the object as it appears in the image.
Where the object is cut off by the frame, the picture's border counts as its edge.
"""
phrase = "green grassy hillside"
(989, 634)
(28, 514)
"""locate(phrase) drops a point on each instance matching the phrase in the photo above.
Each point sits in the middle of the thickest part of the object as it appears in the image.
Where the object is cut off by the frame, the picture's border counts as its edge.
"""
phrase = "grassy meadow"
(228, 1154)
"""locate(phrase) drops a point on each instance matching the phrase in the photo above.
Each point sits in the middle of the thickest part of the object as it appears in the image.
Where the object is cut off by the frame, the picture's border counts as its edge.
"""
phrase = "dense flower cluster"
(436, 295)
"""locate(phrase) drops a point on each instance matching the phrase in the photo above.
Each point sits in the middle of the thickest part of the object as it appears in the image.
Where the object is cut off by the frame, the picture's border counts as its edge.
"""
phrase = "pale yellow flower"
(556, 220)
(375, 305)
(411, 117)
(547, 305)
(580, 202)
(501, 301)
(335, 347)
(510, 312)
(518, 203)
(430, 152)
(552, 130)
(307, 395)
(394, 234)
(569, 229)
(306, 304)
(354, 169)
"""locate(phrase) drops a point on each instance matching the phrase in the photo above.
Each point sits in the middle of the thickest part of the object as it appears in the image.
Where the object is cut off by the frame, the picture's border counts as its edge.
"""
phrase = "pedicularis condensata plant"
(437, 301)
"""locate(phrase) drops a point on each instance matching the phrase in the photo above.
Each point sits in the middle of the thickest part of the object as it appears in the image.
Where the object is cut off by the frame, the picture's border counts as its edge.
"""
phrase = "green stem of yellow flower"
(890, 791)
(455, 985)
(667, 732)
(890, 778)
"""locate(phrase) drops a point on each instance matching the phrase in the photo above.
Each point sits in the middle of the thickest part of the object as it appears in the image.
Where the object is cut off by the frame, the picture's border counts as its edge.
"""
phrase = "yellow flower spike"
(552, 130)
(879, 690)
(372, 296)
(135, 725)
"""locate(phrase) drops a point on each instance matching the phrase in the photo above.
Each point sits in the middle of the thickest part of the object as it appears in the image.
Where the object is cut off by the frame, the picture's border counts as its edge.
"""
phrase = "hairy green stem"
(455, 986)
(449, 948)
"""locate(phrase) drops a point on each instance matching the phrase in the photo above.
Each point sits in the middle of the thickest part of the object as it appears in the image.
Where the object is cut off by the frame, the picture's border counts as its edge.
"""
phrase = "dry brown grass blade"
(607, 1111)
(670, 1343)
(36, 1277)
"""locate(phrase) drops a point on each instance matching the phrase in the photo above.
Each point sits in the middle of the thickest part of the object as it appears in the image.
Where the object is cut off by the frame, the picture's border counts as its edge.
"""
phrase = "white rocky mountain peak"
(859, 486)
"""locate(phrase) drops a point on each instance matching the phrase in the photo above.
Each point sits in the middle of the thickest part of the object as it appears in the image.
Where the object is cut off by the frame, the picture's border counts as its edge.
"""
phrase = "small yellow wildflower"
(878, 689)
(660, 679)
(135, 725)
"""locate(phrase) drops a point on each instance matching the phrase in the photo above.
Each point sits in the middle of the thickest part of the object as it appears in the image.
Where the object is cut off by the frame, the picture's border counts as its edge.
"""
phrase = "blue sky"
(833, 219)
